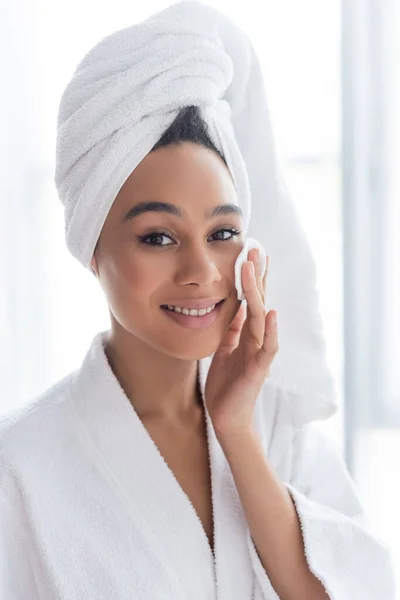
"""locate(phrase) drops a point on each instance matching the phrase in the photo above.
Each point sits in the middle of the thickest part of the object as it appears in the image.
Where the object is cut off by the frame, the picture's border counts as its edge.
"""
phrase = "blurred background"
(332, 73)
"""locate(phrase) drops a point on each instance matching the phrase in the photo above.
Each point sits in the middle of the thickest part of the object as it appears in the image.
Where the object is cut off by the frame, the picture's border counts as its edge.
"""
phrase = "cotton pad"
(249, 244)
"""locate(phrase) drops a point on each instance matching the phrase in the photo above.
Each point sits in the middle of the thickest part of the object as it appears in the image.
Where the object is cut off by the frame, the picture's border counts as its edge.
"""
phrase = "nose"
(198, 265)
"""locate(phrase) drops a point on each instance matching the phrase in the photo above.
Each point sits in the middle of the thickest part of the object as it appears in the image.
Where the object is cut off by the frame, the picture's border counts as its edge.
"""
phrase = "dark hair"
(188, 126)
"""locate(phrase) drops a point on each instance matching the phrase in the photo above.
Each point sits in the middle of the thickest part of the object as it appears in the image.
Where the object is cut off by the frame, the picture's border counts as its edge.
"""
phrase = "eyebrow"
(167, 207)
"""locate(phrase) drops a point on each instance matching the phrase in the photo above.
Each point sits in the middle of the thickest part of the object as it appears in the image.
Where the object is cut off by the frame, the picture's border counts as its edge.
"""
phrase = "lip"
(194, 322)
(194, 302)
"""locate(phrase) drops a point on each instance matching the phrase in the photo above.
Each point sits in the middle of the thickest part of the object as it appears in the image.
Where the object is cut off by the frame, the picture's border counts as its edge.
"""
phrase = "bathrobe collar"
(154, 496)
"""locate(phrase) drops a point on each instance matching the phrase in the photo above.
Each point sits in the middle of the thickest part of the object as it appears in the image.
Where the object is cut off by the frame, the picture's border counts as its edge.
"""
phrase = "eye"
(154, 235)
(230, 230)
(158, 235)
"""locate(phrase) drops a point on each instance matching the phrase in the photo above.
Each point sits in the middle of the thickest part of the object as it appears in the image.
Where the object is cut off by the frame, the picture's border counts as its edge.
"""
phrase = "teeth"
(192, 312)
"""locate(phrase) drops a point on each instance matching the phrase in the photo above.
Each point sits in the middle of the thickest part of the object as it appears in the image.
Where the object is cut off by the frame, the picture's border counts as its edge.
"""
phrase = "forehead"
(185, 174)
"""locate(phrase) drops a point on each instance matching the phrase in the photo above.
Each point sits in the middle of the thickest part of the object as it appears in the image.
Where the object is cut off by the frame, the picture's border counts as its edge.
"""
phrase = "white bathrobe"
(89, 509)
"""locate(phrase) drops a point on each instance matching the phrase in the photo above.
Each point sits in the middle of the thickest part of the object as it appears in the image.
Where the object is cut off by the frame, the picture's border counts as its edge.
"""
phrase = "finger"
(231, 338)
(254, 256)
(255, 307)
(270, 346)
(264, 278)
(261, 278)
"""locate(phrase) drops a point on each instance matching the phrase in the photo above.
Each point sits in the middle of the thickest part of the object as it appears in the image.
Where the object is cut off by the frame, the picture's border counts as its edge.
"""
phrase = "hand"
(242, 361)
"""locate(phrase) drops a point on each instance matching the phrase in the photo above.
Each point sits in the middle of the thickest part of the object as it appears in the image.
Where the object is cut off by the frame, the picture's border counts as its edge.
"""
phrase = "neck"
(159, 387)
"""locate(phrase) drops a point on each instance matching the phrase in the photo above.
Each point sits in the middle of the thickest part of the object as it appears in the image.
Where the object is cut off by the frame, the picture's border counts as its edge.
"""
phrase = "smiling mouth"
(187, 310)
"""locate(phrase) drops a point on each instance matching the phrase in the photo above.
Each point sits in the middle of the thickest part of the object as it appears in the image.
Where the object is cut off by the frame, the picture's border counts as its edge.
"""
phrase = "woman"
(150, 471)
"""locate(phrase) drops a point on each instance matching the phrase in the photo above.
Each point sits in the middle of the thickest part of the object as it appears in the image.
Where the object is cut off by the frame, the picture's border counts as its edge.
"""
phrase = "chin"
(188, 349)
(192, 353)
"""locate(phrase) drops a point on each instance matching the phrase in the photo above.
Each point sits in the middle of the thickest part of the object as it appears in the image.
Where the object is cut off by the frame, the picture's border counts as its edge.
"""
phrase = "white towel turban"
(122, 97)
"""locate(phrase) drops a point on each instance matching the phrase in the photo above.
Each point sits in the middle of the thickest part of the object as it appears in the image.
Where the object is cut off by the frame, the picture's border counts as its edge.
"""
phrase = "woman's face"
(157, 258)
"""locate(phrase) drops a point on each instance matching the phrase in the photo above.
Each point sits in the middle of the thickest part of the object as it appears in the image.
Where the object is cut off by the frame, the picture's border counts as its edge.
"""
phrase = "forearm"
(272, 518)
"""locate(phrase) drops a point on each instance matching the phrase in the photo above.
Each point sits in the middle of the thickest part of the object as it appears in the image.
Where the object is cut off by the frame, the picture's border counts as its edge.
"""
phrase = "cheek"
(141, 278)
(130, 287)
(227, 269)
